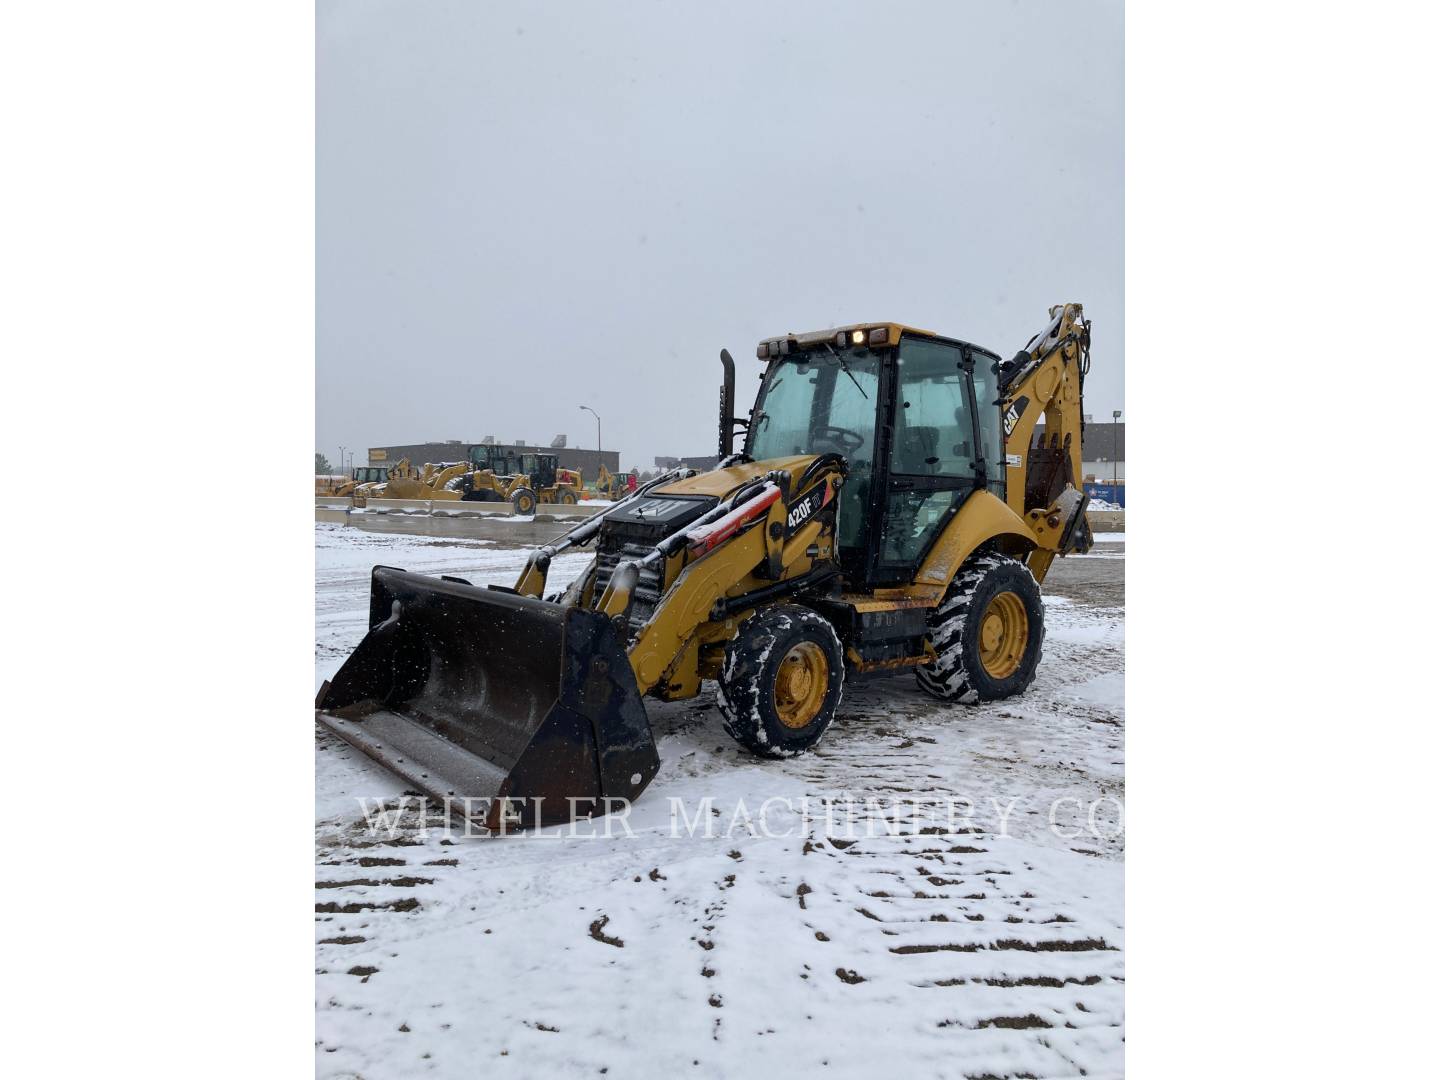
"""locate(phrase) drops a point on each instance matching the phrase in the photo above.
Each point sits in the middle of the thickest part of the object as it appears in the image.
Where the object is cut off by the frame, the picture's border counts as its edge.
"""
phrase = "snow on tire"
(957, 632)
(781, 681)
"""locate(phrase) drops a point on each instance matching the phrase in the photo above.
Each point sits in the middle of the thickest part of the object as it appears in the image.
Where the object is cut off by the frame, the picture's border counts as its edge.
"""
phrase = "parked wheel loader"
(543, 474)
(363, 479)
(569, 487)
(346, 488)
(887, 514)
(429, 482)
(504, 474)
(386, 482)
(493, 476)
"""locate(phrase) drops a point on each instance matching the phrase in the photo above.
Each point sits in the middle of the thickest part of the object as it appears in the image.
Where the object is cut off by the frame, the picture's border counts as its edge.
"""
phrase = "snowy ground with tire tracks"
(966, 921)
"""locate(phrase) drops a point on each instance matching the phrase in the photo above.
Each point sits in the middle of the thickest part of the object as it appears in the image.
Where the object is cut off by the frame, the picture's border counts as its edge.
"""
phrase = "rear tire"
(568, 497)
(781, 681)
(523, 500)
(987, 632)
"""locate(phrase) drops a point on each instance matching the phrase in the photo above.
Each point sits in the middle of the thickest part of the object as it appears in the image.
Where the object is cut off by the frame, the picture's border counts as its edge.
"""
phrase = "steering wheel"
(848, 441)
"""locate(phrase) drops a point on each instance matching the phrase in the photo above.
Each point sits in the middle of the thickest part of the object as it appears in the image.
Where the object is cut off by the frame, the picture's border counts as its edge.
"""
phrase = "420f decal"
(807, 506)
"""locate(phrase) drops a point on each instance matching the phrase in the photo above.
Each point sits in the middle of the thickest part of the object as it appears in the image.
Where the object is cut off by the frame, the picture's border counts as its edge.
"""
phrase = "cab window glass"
(987, 395)
(815, 404)
(912, 520)
(852, 421)
(933, 431)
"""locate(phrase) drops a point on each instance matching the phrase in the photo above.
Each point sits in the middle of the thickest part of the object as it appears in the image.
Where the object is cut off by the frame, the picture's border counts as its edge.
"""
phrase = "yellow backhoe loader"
(610, 485)
(888, 513)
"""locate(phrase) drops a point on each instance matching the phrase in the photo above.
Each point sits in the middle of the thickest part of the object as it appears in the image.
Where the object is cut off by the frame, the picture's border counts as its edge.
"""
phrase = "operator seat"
(915, 450)
(961, 450)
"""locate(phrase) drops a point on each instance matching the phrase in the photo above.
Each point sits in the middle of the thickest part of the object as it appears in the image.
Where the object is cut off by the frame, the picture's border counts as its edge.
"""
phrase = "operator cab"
(540, 468)
(500, 460)
(370, 474)
(507, 461)
(916, 417)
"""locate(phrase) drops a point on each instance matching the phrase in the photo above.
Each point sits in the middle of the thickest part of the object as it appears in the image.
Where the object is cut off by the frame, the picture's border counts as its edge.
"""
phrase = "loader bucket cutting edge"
(486, 700)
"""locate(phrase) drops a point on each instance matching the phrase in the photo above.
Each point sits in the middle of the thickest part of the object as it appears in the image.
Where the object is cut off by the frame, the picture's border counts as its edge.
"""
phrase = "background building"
(1104, 451)
(570, 457)
(1103, 465)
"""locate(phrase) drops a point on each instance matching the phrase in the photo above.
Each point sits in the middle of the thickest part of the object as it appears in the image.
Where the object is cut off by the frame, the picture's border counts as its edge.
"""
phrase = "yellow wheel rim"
(525, 504)
(800, 684)
(1004, 633)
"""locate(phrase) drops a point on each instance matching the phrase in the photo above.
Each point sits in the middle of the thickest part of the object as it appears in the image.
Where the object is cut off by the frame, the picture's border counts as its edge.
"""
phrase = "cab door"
(933, 454)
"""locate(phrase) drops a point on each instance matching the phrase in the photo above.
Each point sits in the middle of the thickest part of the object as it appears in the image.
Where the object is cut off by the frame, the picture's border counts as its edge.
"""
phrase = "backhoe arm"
(1047, 378)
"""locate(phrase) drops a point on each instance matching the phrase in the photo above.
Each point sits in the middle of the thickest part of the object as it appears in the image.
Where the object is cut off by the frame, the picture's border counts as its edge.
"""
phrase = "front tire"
(987, 633)
(781, 681)
(523, 501)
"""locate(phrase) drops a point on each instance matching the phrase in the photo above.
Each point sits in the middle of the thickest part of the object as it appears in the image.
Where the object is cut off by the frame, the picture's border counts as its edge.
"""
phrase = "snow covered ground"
(967, 922)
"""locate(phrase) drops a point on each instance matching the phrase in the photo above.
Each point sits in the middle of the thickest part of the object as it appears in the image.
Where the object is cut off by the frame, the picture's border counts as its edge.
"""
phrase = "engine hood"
(720, 482)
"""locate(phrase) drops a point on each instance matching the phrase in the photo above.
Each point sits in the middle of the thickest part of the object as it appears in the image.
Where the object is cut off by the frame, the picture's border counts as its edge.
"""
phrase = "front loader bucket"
(509, 710)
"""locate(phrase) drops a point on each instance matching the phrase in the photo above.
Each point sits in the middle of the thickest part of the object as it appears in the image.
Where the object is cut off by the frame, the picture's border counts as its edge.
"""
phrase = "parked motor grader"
(887, 513)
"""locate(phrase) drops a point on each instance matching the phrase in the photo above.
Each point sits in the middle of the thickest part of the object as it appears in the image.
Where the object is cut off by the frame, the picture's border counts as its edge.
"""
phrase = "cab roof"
(874, 334)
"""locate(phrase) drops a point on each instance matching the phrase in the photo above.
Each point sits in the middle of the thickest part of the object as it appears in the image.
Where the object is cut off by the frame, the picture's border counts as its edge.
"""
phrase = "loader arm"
(708, 570)
(710, 593)
(444, 475)
(1047, 379)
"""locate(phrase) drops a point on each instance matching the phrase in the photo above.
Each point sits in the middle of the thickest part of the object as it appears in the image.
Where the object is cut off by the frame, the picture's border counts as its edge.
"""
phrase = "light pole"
(595, 414)
(342, 459)
(1115, 456)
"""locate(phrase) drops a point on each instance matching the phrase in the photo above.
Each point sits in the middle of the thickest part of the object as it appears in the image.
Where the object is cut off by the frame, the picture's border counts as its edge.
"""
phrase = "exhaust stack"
(727, 406)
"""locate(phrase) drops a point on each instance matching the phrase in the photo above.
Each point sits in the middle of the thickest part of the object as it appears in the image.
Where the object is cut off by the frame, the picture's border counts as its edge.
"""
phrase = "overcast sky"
(523, 208)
